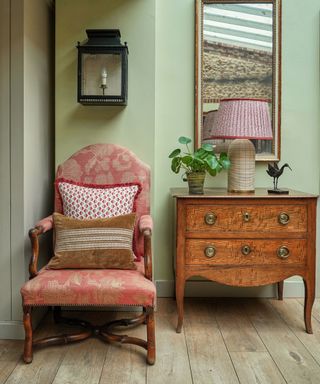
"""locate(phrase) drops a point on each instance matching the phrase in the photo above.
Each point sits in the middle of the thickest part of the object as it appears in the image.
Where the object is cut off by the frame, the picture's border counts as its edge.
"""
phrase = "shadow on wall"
(96, 115)
(164, 252)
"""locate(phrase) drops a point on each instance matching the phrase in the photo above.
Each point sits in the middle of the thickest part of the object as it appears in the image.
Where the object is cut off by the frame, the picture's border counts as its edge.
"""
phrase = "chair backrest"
(108, 164)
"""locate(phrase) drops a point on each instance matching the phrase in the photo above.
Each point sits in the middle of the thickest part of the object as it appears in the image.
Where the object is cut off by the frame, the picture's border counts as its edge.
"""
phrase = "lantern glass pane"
(101, 74)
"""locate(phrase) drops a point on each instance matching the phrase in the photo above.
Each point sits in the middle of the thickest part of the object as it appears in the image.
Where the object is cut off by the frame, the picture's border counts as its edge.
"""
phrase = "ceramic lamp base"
(241, 174)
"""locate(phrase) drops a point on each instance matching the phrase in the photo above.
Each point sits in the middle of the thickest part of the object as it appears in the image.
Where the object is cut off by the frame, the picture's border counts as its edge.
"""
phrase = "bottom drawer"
(245, 252)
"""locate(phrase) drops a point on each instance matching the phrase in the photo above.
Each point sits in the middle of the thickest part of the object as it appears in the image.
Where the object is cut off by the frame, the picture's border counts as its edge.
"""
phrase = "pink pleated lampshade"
(243, 118)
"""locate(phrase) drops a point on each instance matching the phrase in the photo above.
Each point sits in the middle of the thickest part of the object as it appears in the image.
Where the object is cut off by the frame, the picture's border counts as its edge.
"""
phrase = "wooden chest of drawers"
(245, 240)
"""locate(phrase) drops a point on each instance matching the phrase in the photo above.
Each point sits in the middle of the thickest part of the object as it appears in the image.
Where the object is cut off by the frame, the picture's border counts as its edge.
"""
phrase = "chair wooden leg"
(103, 332)
(144, 311)
(151, 339)
(27, 353)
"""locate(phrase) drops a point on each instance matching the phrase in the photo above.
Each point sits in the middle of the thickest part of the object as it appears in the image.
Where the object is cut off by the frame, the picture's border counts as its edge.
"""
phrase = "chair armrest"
(41, 227)
(145, 223)
(145, 227)
(46, 223)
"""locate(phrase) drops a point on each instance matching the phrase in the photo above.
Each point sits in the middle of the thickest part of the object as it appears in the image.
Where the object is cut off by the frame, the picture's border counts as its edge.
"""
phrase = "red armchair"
(96, 164)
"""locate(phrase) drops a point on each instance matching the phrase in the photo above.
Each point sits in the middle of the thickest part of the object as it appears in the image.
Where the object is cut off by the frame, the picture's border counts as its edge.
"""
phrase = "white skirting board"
(14, 330)
(292, 288)
(11, 330)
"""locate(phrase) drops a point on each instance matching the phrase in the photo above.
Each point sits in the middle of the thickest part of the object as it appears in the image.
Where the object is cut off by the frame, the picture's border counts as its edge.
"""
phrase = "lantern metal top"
(103, 37)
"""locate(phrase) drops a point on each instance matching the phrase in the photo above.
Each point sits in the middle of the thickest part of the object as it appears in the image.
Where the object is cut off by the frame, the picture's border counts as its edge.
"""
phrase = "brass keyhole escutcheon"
(246, 217)
(210, 251)
(246, 250)
(283, 252)
(210, 218)
(283, 218)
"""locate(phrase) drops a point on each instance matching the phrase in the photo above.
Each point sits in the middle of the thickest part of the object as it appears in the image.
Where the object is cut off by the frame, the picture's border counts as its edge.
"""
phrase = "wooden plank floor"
(223, 341)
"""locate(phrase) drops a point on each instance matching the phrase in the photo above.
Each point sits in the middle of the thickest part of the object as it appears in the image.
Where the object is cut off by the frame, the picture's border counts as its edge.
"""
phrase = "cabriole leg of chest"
(308, 301)
(280, 290)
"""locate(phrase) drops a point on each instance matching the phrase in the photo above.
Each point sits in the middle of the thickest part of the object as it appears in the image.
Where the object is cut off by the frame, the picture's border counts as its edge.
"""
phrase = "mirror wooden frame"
(276, 72)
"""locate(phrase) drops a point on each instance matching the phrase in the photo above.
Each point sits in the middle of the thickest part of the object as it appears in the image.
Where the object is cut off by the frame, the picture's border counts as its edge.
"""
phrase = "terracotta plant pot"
(196, 182)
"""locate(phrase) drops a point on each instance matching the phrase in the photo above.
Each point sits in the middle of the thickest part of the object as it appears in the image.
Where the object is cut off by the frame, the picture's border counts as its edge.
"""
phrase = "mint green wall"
(160, 109)
(131, 126)
(174, 114)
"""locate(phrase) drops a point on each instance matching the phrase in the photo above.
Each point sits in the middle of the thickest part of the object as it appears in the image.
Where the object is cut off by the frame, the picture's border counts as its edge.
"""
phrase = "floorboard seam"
(224, 342)
(267, 349)
(188, 354)
(104, 361)
(12, 371)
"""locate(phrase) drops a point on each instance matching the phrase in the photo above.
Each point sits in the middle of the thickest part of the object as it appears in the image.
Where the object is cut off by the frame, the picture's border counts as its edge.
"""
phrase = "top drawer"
(248, 218)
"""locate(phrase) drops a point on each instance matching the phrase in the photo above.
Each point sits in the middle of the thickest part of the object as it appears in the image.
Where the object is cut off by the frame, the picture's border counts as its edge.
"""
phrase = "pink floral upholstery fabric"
(109, 164)
(89, 287)
(46, 223)
(145, 223)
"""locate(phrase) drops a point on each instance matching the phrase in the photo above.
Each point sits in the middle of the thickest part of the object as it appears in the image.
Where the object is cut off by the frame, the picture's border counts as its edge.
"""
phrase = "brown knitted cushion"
(98, 243)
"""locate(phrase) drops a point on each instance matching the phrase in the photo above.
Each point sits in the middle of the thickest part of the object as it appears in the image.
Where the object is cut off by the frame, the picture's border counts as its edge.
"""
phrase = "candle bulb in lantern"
(104, 76)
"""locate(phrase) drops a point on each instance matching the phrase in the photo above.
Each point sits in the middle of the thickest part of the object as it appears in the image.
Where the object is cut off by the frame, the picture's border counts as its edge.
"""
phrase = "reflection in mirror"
(237, 57)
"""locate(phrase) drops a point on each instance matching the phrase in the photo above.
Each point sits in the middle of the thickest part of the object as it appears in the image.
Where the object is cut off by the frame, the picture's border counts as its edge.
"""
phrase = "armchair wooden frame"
(103, 332)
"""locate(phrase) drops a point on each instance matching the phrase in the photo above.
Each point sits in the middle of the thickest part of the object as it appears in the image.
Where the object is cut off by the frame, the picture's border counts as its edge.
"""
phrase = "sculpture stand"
(279, 191)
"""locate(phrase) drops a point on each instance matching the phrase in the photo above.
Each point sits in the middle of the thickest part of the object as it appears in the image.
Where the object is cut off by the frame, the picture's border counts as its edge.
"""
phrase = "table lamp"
(242, 119)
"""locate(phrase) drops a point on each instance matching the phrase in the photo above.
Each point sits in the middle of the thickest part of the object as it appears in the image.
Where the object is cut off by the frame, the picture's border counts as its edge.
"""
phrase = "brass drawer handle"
(210, 251)
(246, 250)
(246, 217)
(283, 252)
(283, 218)
(210, 218)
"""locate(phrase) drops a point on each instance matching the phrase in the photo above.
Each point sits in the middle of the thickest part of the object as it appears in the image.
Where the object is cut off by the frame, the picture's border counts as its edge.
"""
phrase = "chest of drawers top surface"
(222, 193)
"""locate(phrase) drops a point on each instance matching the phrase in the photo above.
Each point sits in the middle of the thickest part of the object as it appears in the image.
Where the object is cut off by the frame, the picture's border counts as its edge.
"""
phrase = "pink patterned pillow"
(94, 201)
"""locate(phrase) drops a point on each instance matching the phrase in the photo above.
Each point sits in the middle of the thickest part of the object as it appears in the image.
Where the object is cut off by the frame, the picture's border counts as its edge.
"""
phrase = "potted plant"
(196, 164)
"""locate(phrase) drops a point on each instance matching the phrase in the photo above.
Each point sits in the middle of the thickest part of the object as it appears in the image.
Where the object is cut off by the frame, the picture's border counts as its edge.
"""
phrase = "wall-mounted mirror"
(238, 56)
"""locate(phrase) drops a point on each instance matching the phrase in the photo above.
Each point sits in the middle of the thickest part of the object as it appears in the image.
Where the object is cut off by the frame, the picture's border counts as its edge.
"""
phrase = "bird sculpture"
(275, 172)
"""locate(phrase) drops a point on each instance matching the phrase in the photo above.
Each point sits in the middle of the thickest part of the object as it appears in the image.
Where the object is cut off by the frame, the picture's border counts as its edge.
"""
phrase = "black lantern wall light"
(103, 68)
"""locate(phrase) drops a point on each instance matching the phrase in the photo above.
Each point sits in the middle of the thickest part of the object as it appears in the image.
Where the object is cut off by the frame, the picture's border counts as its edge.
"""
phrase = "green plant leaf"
(200, 153)
(212, 162)
(197, 165)
(211, 172)
(219, 168)
(223, 155)
(207, 147)
(175, 153)
(197, 161)
(184, 140)
(225, 163)
(176, 164)
(224, 160)
(202, 159)
(187, 160)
